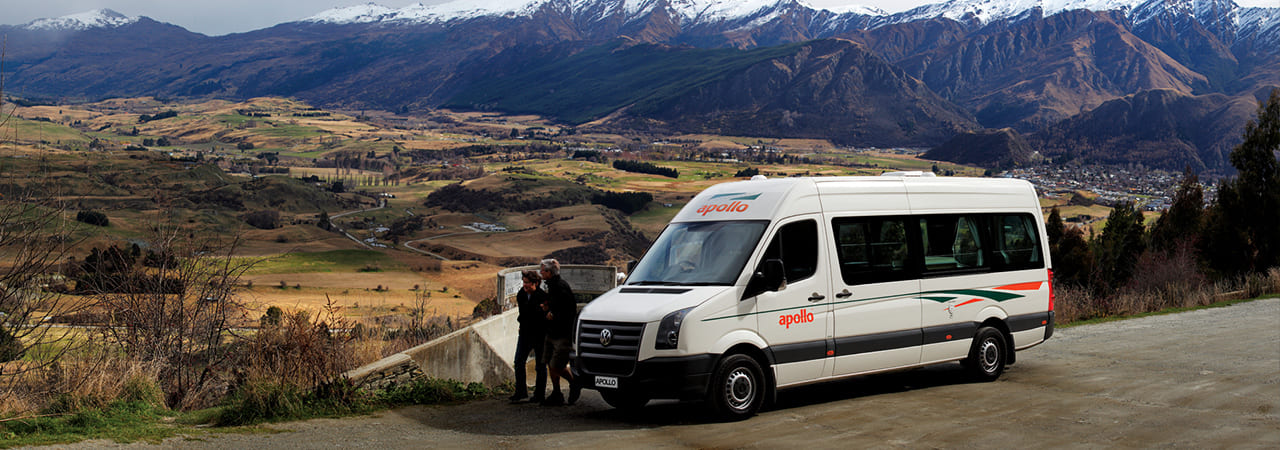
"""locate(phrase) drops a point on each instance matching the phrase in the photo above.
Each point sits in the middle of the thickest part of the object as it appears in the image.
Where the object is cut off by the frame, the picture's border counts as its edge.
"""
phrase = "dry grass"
(82, 380)
(1076, 304)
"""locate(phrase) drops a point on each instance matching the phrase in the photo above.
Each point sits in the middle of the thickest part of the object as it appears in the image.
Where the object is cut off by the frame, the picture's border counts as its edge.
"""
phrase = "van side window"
(796, 244)
(953, 243)
(871, 249)
(1018, 242)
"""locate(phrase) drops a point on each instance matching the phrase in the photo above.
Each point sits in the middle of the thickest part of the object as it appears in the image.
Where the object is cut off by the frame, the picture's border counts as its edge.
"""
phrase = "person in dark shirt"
(562, 315)
(533, 326)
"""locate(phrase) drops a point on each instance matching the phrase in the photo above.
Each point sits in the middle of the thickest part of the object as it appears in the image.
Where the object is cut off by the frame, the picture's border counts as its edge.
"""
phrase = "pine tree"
(1180, 225)
(1242, 234)
(1117, 249)
(1072, 260)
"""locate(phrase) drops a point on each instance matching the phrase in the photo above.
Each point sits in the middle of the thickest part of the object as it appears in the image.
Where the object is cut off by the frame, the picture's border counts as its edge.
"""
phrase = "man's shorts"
(558, 350)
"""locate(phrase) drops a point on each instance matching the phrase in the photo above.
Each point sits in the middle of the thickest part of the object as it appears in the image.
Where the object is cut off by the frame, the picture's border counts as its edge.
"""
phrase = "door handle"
(844, 294)
(816, 297)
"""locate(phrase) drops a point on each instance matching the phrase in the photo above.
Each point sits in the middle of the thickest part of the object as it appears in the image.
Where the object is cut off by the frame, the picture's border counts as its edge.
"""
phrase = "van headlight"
(669, 330)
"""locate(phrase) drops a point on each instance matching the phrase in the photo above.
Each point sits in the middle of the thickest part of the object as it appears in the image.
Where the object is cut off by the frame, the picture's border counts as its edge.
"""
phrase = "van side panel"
(876, 319)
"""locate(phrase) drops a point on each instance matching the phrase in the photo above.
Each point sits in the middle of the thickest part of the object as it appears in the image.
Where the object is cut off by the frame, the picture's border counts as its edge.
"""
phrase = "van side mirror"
(631, 266)
(770, 276)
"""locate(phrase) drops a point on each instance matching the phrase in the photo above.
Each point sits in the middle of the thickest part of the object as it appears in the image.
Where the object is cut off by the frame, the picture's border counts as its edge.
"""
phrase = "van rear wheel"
(987, 356)
(737, 388)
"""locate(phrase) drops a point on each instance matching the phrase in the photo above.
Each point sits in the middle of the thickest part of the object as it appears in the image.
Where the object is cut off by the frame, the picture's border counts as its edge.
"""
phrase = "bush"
(10, 348)
(627, 202)
(93, 218)
(430, 391)
(270, 401)
(486, 308)
(158, 116)
(262, 401)
(272, 317)
(644, 167)
(264, 219)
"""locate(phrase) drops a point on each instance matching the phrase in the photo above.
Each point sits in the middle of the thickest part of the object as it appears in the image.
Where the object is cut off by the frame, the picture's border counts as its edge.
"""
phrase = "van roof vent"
(910, 173)
(758, 177)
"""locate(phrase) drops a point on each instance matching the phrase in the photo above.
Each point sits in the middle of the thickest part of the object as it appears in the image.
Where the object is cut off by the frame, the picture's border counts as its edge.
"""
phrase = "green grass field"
(39, 131)
(330, 261)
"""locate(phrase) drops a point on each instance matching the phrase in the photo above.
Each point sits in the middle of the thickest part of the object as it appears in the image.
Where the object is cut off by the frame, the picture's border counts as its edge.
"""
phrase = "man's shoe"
(556, 399)
(575, 390)
(516, 398)
(538, 398)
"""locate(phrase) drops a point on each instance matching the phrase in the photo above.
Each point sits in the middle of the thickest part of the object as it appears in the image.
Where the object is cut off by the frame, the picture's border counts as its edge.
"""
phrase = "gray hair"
(551, 266)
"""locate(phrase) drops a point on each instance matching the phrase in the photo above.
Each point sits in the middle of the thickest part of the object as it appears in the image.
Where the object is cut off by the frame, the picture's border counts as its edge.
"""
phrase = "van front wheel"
(737, 388)
(987, 357)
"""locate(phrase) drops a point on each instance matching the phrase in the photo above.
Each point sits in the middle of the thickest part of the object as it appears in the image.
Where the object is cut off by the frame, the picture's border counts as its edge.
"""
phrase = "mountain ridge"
(1030, 68)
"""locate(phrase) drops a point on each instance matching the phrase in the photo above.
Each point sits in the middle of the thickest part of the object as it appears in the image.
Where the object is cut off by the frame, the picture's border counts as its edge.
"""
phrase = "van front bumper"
(681, 378)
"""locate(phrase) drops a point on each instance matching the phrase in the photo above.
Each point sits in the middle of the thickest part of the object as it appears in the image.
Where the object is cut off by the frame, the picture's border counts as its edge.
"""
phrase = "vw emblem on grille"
(606, 337)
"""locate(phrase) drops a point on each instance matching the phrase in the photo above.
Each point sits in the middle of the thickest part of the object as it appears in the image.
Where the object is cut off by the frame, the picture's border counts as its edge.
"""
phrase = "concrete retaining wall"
(482, 352)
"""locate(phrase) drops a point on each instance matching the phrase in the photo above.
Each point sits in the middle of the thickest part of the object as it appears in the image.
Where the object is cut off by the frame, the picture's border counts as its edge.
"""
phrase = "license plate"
(607, 382)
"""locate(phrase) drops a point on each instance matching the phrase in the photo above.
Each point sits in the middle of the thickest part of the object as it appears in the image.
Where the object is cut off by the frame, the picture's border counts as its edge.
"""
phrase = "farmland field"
(224, 163)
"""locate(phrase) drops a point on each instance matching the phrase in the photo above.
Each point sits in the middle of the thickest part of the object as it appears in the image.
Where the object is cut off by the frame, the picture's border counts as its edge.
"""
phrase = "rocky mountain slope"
(913, 78)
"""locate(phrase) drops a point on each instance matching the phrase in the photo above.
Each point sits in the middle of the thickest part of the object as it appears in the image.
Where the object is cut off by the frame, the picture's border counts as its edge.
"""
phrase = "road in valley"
(1202, 379)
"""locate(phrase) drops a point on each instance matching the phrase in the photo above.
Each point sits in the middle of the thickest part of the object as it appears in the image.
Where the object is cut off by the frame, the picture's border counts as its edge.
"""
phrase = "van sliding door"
(877, 306)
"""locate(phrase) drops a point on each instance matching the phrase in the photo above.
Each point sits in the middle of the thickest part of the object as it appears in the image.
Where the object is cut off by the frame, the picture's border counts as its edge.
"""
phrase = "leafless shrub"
(301, 350)
(403, 333)
(1165, 278)
(1074, 303)
(178, 314)
(1259, 284)
(33, 241)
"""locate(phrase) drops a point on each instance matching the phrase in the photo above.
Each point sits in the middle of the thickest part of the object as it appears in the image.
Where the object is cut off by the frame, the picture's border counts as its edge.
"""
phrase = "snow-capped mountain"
(759, 12)
(1224, 17)
(98, 18)
(981, 12)
(1022, 64)
(1261, 25)
(690, 11)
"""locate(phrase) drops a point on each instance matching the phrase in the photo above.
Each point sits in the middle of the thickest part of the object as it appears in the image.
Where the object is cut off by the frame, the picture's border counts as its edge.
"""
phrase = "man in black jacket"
(562, 315)
(533, 331)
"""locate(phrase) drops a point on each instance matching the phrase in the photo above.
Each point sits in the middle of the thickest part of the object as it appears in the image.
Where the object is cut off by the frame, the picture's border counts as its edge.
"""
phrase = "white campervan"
(773, 283)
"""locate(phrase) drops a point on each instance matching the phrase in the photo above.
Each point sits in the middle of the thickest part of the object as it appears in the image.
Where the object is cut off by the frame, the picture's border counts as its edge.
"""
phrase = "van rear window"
(893, 248)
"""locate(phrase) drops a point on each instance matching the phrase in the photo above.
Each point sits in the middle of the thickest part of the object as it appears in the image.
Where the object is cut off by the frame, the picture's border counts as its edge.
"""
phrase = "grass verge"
(253, 404)
(119, 422)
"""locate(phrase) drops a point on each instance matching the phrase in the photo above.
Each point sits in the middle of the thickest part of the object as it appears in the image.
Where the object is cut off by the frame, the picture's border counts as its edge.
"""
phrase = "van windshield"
(699, 253)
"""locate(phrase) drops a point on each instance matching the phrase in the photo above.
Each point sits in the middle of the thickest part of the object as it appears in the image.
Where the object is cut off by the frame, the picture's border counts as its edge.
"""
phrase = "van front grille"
(616, 358)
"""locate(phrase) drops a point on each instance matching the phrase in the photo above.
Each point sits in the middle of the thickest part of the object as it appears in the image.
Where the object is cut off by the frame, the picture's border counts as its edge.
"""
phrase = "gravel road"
(1202, 379)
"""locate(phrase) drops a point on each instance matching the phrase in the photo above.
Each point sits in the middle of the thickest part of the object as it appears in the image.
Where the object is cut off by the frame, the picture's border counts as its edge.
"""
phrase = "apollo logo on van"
(801, 317)
(731, 203)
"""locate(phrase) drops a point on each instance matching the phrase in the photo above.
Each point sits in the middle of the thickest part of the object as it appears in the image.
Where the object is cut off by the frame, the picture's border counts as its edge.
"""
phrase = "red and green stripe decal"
(998, 294)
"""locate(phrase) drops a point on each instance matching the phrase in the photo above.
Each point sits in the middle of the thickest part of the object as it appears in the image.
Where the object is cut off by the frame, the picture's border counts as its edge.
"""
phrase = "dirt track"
(1205, 379)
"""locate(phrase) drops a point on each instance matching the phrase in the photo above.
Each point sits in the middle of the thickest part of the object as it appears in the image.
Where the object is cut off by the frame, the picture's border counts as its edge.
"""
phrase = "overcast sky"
(217, 17)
